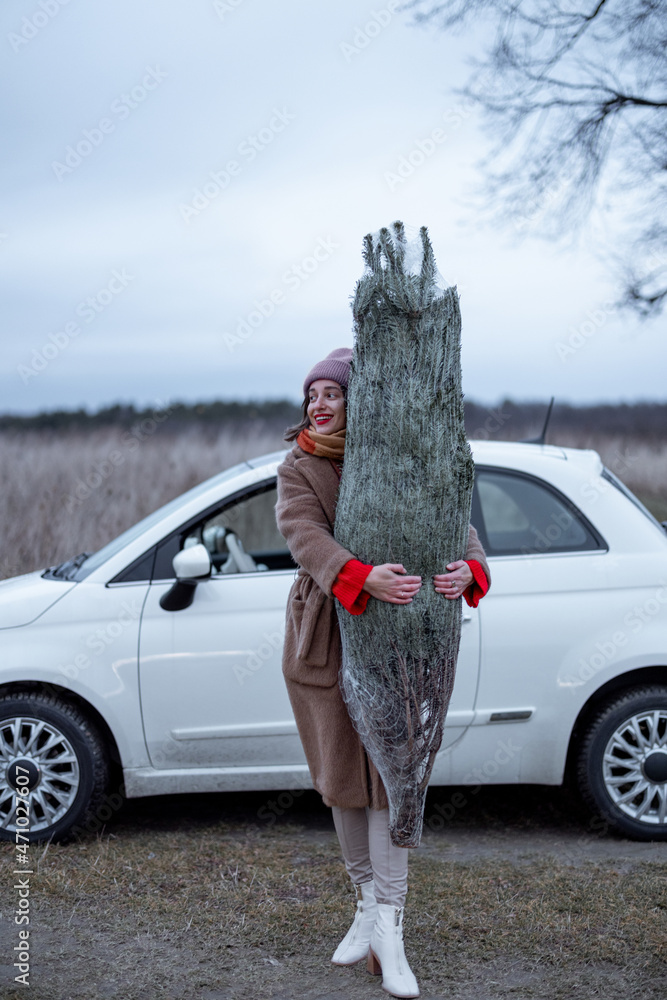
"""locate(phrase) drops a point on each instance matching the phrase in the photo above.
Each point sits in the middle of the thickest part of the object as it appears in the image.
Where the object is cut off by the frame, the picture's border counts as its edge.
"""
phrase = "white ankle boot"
(386, 954)
(354, 945)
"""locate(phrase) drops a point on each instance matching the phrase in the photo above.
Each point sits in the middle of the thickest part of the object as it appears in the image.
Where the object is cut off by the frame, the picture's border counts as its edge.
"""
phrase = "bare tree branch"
(577, 102)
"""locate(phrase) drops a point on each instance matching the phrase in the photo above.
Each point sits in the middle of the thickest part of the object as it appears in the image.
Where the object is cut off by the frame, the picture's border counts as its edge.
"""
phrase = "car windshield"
(106, 552)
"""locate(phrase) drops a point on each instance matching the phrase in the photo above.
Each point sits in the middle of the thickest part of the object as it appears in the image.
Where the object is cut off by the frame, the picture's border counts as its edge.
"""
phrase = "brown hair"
(293, 432)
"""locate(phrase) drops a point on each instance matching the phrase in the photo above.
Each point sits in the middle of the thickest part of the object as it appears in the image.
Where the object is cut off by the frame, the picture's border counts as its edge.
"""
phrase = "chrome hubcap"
(635, 767)
(35, 750)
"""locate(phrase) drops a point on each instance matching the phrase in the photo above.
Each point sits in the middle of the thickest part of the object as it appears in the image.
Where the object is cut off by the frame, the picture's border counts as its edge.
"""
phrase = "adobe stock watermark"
(560, 523)
(272, 642)
(579, 335)
(224, 7)
(495, 421)
(282, 803)
(247, 150)
(597, 486)
(32, 24)
(607, 649)
(425, 148)
(292, 280)
(121, 108)
(101, 471)
(100, 639)
(22, 820)
(365, 33)
(537, 208)
(88, 310)
(483, 774)
(109, 805)
(22, 883)
(597, 318)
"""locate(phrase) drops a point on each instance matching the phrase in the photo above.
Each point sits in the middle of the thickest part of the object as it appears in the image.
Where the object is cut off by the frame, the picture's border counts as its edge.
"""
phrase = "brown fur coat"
(305, 512)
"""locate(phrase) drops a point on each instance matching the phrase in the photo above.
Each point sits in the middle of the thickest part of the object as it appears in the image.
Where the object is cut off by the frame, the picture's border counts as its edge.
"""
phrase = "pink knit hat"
(335, 366)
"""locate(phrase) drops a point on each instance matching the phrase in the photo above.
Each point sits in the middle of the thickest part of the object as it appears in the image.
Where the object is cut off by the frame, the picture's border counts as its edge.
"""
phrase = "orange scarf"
(322, 445)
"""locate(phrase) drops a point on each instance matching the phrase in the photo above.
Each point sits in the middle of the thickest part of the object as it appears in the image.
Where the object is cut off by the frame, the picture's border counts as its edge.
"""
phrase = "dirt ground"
(516, 894)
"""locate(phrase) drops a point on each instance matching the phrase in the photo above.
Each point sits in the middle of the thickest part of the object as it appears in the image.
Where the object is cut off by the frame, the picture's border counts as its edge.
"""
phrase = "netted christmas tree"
(405, 497)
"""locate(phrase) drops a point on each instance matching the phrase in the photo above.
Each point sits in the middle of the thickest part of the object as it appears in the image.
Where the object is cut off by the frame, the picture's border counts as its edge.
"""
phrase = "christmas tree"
(405, 497)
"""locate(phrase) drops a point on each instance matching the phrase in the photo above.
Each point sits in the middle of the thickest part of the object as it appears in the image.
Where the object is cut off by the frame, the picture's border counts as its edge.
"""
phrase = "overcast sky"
(186, 187)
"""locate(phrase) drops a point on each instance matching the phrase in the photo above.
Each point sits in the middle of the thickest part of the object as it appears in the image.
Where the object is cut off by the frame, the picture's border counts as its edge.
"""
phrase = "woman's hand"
(388, 582)
(452, 584)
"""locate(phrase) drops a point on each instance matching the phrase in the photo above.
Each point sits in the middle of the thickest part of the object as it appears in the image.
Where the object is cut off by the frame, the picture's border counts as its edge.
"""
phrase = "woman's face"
(326, 407)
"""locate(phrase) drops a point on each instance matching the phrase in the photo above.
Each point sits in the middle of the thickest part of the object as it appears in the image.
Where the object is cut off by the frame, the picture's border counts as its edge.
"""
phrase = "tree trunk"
(405, 497)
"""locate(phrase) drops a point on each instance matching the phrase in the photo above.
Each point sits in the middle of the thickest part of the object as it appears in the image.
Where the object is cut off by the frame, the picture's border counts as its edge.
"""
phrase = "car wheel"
(622, 763)
(50, 747)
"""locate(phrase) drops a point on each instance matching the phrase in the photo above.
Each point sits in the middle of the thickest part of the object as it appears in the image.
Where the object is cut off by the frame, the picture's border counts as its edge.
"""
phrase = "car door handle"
(466, 618)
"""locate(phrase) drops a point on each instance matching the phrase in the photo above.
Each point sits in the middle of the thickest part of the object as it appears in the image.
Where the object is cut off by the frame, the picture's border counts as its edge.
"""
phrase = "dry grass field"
(70, 491)
(67, 492)
(200, 898)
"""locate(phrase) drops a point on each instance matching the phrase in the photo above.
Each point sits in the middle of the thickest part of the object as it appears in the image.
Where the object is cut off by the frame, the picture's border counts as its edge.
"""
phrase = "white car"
(160, 655)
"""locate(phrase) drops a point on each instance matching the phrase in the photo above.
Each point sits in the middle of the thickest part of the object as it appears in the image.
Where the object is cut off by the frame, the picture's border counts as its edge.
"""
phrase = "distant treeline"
(513, 421)
(170, 416)
(508, 420)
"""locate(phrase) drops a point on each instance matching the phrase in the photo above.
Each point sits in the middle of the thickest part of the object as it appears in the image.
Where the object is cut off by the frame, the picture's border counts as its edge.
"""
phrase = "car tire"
(50, 746)
(622, 763)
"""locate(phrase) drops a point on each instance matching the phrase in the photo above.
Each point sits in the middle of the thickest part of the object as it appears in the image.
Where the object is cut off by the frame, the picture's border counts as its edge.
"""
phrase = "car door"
(212, 690)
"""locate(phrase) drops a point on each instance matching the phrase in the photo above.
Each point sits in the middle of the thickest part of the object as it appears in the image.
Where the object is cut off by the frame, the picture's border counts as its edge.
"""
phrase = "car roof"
(520, 453)
(494, 452)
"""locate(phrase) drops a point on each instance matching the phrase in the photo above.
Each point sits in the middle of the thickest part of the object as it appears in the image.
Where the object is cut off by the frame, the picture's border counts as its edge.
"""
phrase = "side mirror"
(193, 561)
(191, 565)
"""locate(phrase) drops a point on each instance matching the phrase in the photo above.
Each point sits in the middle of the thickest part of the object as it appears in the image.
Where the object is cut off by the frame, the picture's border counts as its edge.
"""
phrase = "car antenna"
(542, 437)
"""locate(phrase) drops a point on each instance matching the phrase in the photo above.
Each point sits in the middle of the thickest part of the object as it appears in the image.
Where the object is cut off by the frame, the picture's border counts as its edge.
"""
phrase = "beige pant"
(369, 853)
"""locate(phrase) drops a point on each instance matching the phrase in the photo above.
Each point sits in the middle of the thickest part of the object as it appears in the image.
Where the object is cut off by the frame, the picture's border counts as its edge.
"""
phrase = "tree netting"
(405, 497)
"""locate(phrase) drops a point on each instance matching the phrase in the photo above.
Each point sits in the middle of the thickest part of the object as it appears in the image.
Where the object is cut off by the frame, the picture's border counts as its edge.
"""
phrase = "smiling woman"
(340, 768)
(326, 406)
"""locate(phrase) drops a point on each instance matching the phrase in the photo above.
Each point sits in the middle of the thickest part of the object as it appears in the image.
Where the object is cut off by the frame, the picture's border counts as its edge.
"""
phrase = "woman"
(346, 778)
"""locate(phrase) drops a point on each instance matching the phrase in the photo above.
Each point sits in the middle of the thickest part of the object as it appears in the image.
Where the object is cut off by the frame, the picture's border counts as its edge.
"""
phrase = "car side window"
(520, 515)
(244, 536)
(241, 537)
